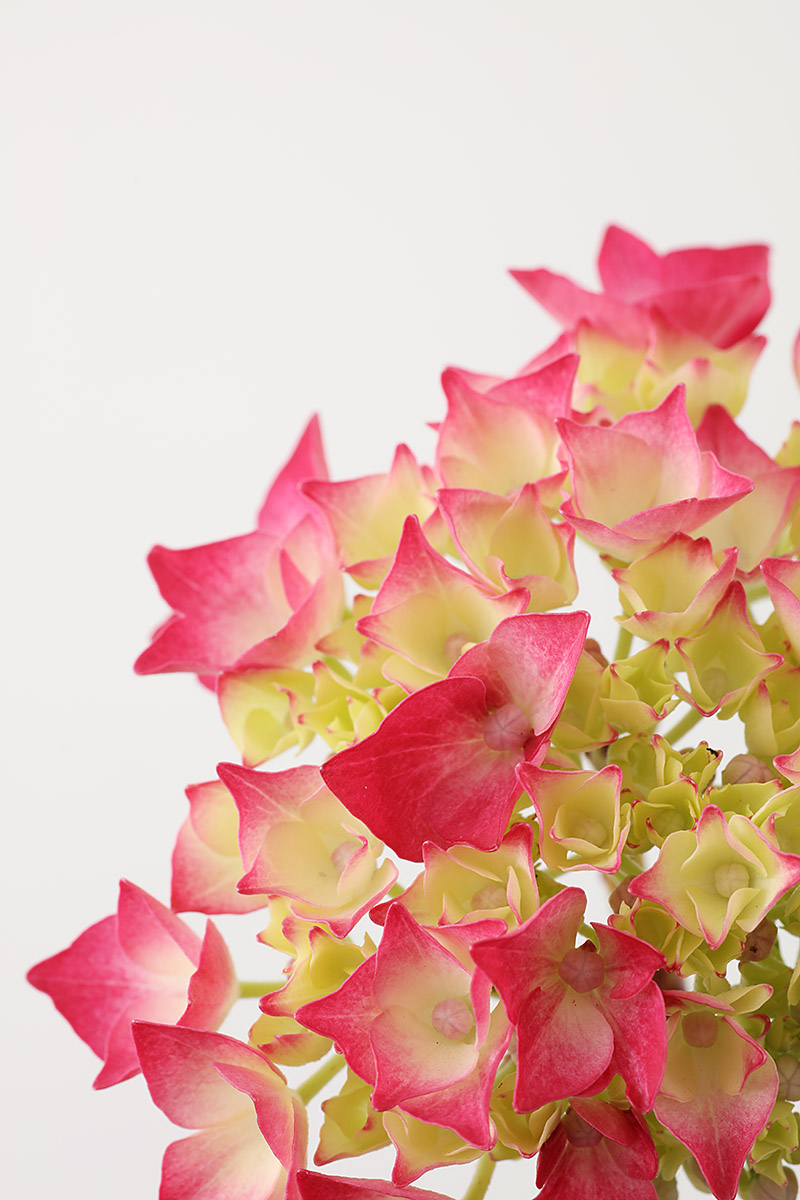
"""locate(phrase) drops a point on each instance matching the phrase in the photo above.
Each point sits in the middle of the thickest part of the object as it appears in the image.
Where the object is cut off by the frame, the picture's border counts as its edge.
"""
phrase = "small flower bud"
(758, 944)
(789, 1077)
(621, 895)
(764, 1188)
(746, 768)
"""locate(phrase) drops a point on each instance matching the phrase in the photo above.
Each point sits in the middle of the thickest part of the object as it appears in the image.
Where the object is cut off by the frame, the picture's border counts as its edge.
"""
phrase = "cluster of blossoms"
(403, 624)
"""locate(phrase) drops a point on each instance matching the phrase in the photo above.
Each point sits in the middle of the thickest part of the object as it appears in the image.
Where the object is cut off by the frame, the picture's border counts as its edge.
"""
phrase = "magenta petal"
(345, 1016)
(720, 1129)
(428, 775)
(564, 1046)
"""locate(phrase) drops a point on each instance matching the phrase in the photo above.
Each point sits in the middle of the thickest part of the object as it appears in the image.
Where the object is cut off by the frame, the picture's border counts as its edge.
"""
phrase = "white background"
(217, 218)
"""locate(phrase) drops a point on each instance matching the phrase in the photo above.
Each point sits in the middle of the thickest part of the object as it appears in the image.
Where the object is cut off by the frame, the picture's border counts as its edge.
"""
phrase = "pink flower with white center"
(598, 1151)
(260, 600)
(414, 1021)
(639, 481)
(253, 1129)
(582, 1013)
(441, 767)
(719, 1087)
(142, 964)
(719, 294)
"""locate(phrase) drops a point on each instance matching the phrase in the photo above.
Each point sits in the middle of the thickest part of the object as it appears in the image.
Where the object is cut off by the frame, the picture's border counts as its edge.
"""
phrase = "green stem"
(396, 890)
(687, 722)
(248, 989)
(624, 642)
(316, 1082)
(481, 1179)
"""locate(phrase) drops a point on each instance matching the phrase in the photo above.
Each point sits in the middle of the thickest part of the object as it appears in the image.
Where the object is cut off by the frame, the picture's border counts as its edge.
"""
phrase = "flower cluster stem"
(481, 1179)
(624, 642)
(316, 1082)
(687, 722)
(249, 989)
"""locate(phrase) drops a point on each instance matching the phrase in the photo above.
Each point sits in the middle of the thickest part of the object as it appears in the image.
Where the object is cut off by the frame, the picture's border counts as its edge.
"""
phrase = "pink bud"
(789, 1077)
(453, 1018)
(746, 768)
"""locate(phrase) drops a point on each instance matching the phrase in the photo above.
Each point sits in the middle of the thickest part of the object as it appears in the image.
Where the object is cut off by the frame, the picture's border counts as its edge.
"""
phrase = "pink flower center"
(342, 854)
(582, 968)
(699, 1029)
(579, 1132)
(453, 1018)
(491, 895)
(507, 728)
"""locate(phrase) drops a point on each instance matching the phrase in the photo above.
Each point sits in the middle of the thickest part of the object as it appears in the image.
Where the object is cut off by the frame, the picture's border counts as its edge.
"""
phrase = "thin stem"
(687, 722)
(316, 1082)
(481, 1179)
(624, 641)
(249, 989)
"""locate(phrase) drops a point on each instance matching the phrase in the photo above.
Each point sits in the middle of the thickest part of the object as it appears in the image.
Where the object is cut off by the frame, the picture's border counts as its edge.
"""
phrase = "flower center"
(341, 856)
(699, 1029)
(491, 895)
(506, 728)
(453, 1018)
(579, 1132)
(582, 968)
(730, 877)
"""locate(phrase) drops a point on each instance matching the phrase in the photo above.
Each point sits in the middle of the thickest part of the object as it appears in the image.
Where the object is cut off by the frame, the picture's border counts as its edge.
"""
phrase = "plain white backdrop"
(217, 218)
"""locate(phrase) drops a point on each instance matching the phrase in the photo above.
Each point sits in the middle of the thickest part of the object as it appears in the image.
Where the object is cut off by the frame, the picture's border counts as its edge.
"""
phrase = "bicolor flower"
(598, 1150)
(721, 295)
(206, 863)
(142, 964)
(672, 591)
(414, 1021)
(637, 482)
(367, 514)
(253, 1131)
(582, 1013)
(428, 612)
(510, 542)
(299, 841)
(721, 875)
(755, 524)
(581, 823)
(441, 767)
(260, 600)
(499, 435)
(718, 1089)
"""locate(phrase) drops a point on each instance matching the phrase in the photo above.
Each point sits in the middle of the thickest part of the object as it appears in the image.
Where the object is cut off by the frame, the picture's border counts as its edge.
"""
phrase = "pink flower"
(143, 963)
(441, 767)
(414, 1021)
(581, 1013)
(253, 1129)
(718, 1089)
(260, 600)
(598, 1151)
(721, 295)
(639, 481)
